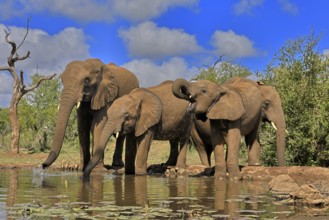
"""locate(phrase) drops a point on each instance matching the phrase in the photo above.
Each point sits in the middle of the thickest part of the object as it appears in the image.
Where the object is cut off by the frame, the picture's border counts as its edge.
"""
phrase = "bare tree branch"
(38, 83)
(10, 58)
(27, 32)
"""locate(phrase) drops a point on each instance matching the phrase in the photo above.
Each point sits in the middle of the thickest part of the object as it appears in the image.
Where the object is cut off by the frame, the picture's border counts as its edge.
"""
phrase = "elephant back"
(127, 81)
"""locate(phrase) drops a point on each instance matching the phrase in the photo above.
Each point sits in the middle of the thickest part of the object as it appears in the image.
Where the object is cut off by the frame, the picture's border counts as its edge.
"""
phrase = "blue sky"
(156, 39)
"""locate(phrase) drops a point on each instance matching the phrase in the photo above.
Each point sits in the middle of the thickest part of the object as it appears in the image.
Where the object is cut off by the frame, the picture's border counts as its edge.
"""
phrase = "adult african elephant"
(272, 112)
(233, 110)
(91, 86)
(143, 115)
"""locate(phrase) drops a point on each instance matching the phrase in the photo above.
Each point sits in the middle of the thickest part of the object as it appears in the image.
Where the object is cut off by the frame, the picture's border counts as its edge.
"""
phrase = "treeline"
(298, 71)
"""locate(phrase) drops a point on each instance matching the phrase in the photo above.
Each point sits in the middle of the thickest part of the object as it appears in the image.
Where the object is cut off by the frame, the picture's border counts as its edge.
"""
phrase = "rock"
(283, 185)
(308, 195)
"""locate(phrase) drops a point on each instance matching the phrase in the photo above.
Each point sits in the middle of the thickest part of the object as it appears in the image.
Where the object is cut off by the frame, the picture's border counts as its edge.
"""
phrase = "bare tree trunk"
(19, 89)
(15, 130)
(13, 117)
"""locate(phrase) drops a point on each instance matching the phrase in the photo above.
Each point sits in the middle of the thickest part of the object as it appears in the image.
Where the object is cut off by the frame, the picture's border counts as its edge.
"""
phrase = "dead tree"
(19, 89)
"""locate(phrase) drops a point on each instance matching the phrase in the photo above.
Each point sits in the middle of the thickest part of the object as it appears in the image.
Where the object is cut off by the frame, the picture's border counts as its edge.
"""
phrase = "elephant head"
(90, 82)
(133, 113)
(272, 112)
(209, 100)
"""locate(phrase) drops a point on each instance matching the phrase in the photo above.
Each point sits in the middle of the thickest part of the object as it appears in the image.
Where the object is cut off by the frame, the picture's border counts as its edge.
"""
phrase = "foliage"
(38, 112)
(300, 74)
(221, 71)
(4, 126)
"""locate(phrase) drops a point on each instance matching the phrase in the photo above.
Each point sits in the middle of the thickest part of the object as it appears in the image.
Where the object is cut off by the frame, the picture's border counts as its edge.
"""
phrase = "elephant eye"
(266, 104)
(87, 82)
(203, 90)
(126, 116)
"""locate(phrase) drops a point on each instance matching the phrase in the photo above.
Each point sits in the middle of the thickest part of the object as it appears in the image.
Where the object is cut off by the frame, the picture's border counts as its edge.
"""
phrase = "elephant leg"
(84, 127)
(97, 128)
(97, 156)
(252, 142)
(181, 159)
(143, 147)
(172, 160)
(204, 154)
(233, 142)
(217, 141)
(117, 156)
(220, 164)
(130, 155)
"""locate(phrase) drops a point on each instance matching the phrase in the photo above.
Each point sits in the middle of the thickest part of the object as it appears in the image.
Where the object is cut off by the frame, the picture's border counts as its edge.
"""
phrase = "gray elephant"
(144, 115)
(233, 110)
(91, 86)
(272, 112)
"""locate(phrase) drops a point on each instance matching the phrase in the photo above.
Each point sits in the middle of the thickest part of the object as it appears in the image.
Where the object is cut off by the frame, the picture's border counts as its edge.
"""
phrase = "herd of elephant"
(109, 102)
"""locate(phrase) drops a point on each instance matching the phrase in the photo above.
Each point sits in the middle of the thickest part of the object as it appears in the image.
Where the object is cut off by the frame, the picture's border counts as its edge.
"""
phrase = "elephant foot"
(180, 166)
(118, 163)
(235, 177)
(170, 163)
(220, 173)
(140, 172)
(234, 173)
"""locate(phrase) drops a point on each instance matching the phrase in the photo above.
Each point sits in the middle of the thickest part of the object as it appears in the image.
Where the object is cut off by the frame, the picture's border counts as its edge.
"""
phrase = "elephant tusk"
(59, 105)
(190, 97)
(286, 131)
(273, 125)
(117, 135)
(78, 104)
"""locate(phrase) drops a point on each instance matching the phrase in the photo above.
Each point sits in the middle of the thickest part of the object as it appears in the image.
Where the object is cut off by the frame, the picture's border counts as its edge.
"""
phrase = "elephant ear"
(107, 89)
(228, 105)
(150, 111)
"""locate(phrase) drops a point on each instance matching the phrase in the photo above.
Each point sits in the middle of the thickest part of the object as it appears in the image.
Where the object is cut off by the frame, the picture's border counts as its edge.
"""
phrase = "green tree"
(301, 75)
(38, 112)
(4, 126)
(221, 71)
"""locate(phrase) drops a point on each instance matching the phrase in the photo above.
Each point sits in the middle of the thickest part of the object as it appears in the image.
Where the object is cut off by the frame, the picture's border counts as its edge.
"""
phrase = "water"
(31, 194)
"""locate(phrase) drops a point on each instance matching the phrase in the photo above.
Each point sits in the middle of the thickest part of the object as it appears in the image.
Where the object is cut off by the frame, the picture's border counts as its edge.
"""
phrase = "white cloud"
(49, 53)
(289, 7)
(231, 45)
(326, 52)
(143, 10)
(149, 41)
(246, 6)
(96, 10)
(151, 74)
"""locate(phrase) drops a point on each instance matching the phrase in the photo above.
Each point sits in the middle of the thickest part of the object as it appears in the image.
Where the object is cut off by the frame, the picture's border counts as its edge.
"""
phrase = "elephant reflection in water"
(93, 191)
(130, 190)
(124, 190)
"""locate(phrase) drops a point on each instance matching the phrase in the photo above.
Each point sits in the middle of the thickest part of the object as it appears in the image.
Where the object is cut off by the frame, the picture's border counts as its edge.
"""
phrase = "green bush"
(300, 74)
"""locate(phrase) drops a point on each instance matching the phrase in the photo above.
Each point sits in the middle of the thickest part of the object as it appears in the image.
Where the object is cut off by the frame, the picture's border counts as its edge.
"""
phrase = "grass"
(158, 153)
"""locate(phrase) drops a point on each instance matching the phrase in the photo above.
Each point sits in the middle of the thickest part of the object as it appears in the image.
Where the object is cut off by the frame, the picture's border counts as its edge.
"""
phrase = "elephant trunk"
(179, 89)
(108, 130)
(281, 142)
(66, 106)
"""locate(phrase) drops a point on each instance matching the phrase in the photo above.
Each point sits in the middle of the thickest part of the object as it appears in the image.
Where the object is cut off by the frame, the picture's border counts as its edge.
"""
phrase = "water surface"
(31, 194)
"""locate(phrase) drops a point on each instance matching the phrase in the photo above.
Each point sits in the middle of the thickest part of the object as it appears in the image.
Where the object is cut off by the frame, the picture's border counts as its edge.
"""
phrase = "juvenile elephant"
(91, 86)
(233, 110)
(144, 115)
(272, 112)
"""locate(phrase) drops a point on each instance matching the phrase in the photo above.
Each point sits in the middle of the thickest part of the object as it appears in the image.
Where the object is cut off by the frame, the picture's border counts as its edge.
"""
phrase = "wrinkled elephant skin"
(143, 115)
(232, 110)
(92, 86)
